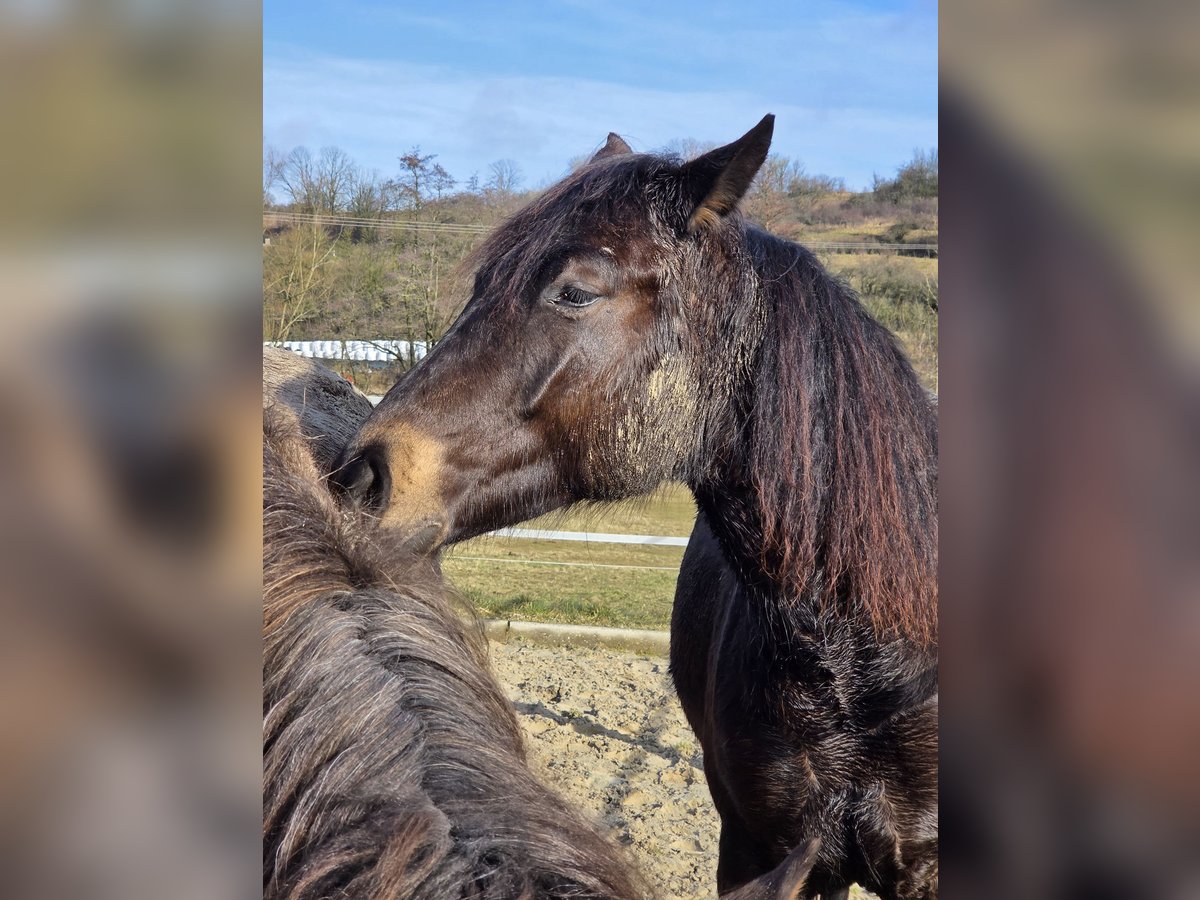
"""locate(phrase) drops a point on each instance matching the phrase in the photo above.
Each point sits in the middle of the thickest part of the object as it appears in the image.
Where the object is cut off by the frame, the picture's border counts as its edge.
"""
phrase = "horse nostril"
(365, 478)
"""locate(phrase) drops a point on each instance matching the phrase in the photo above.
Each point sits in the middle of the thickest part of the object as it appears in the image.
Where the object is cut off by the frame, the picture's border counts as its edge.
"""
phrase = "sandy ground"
(605, 729)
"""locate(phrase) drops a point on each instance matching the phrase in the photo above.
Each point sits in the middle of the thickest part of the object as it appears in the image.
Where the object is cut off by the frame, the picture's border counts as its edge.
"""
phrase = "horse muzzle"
(395, 475)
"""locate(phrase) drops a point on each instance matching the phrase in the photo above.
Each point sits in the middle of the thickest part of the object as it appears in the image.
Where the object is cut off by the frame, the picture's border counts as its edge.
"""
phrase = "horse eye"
(575, 297)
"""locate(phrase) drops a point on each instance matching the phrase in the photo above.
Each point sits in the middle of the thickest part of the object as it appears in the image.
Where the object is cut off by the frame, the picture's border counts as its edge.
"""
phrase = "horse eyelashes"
(576, 297)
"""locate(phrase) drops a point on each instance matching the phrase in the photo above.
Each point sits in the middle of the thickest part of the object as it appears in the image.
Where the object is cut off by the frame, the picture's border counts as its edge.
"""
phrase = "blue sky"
(853, 84)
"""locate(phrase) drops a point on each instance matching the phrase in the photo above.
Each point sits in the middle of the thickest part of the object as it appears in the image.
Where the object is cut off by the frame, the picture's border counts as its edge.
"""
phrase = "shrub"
(893, 279)
(916, 178)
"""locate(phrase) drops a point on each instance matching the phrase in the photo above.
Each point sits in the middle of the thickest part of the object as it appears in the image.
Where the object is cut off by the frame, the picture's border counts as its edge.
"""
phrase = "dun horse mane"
(843, 450)
(392, 761)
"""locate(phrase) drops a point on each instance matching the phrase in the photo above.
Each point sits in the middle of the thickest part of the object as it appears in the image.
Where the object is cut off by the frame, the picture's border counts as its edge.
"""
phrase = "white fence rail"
(592, 537)
(363, 351)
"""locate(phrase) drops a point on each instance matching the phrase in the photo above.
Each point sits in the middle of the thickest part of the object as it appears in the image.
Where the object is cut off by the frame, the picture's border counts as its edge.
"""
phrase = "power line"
(364, 222)
(348, 221)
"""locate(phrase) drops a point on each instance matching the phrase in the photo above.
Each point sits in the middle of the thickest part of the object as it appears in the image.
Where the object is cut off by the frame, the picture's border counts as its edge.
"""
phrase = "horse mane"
(843, 451)
(392, 761)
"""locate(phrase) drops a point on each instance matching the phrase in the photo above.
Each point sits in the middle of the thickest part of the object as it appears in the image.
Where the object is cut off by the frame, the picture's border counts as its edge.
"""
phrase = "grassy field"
(621, 585)
(669, 511)
(901, 292)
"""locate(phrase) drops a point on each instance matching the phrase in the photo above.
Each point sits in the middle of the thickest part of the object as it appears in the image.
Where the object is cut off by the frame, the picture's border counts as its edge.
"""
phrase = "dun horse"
(627, 328)
(392, 762)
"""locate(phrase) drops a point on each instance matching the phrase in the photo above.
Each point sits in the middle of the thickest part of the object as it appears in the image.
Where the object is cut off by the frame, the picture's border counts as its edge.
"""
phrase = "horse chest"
(795, 734)
(771, 724)
(810, 728)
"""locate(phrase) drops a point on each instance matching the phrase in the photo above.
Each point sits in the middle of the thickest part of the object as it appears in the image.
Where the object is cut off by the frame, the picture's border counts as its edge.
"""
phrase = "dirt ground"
(605, 729)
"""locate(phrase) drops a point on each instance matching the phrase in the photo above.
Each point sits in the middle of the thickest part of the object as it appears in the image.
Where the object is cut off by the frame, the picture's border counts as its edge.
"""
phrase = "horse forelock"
(613, 202)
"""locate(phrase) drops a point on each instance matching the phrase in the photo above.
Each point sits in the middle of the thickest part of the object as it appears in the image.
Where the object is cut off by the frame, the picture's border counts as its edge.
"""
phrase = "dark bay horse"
(628, 328)
(393, 766)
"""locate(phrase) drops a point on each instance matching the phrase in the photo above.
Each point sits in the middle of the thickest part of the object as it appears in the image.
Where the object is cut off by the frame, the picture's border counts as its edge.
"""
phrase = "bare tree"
(298, 176)
(336, 175)
(368, 197)
(689, 148)
(506, 177)
(368, 200)
(273, 165)
(769, 199)
(440, 181)
(783, 188)
(413, 185)
(296, 283)
(320, 185)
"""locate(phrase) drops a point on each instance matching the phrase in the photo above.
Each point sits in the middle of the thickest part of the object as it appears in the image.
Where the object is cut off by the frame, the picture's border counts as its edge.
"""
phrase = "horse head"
(600, 349)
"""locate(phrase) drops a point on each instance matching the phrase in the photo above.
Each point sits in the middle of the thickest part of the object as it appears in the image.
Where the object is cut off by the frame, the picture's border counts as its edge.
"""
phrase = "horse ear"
(720, 178)
(614, 146)
(786, 881)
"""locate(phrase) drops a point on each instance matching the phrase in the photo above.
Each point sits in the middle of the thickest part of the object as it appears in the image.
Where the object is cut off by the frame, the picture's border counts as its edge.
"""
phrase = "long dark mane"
(843, 450)
(392, 761)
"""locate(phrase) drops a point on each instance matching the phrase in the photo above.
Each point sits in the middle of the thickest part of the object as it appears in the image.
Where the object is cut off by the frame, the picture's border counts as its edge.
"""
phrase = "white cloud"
(376, 110)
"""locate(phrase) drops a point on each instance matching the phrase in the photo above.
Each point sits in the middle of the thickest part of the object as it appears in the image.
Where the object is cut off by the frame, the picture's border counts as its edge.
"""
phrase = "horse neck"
(823, 488)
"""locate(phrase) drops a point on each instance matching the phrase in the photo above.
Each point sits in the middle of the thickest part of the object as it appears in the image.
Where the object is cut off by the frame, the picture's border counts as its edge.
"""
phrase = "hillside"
(350, 257)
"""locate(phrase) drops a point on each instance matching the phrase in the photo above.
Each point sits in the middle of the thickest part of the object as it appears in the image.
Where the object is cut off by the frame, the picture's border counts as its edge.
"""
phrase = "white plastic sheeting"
(367, 351)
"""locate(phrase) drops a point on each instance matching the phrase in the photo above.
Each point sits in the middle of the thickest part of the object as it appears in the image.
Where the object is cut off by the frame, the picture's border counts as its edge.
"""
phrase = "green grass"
(522, 586)
(917, 328)
(670, 510)
(534, 593)
(900, 292)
